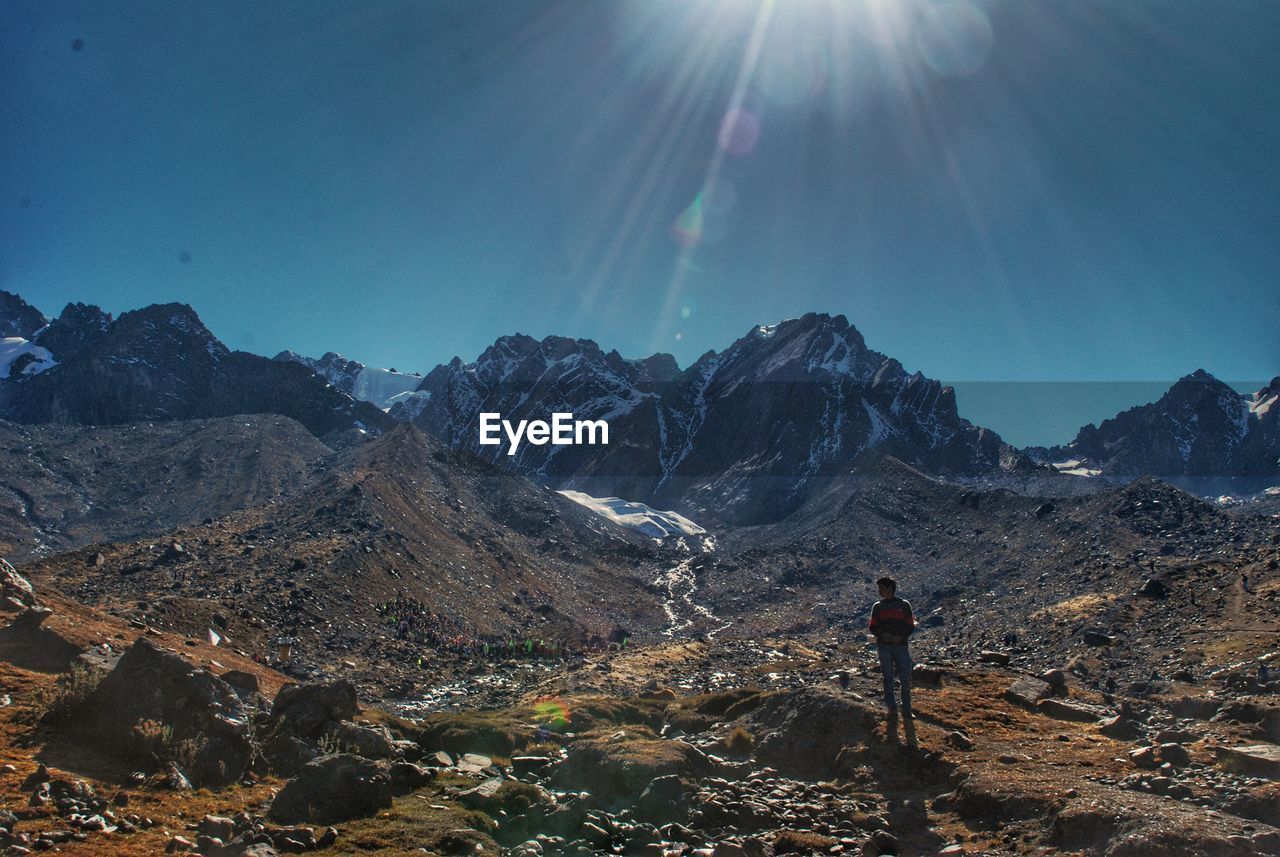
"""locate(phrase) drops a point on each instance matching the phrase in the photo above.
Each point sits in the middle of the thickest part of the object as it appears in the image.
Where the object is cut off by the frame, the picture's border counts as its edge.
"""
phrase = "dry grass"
(798, 842)
(739, 742)
(1079, 607)
(55, 703)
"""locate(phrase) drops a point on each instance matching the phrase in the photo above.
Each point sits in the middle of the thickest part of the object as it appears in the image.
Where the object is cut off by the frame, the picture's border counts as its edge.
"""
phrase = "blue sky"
(990, 191)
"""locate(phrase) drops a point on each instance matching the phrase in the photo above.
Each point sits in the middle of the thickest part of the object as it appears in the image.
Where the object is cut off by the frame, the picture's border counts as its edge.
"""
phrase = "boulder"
(408, 777)
(1078, 712)
(246, 682)
(1094, 637)
(1124, 726)
(474, 763)
(15, 586)
(992, 657)
(1261, 760)
(154, 702)
(305, 709)
(1174, 754)
(1027, 691)
(217, 826)
(1056, 679)
(1143, 757)
(285, 754)
(372, 742)
(333, 788)
(664, 800)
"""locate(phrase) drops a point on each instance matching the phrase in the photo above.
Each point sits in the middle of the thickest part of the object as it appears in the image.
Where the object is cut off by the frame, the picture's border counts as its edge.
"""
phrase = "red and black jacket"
(891, 620)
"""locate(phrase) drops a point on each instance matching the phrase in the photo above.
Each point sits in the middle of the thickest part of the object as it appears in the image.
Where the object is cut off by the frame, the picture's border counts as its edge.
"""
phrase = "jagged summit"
(744, 430)
(19, 318)
(161, 362)
(1200, 427)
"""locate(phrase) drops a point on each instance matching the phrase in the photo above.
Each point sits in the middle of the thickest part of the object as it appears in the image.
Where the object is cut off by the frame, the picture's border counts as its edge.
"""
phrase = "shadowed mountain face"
(743, 435)
(66, 486)
(1199, 428)
(162, 363)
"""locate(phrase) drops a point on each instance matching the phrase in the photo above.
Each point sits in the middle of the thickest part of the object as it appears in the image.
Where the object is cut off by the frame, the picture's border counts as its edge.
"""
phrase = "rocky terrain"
(1094, 675)
(146, 741)
(249, 614)
(62, 487)
(402, 555)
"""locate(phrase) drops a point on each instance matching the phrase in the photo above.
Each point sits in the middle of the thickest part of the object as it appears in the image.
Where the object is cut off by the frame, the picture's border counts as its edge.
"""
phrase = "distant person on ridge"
(892, 624)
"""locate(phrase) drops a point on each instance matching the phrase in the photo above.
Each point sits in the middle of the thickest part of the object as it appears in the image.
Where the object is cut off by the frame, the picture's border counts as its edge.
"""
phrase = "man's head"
(888, 587)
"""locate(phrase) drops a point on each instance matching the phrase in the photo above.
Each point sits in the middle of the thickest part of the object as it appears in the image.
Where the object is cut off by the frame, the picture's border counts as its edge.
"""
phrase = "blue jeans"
(895, 657)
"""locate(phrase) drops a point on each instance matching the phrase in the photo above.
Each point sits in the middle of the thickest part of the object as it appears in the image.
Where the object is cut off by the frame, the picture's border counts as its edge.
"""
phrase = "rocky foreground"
(127, 740)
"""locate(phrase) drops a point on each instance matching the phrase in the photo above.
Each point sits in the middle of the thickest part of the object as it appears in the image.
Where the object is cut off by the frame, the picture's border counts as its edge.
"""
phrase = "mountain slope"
(162, 363)
(993, 569)
(66, 486)
(472, 550)
(741, 435)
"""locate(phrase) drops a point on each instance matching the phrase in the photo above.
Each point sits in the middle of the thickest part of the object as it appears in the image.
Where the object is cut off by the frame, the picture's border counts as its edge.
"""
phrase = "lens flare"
(552, 713)
(739, 132)
(954, 38)
(687, 229)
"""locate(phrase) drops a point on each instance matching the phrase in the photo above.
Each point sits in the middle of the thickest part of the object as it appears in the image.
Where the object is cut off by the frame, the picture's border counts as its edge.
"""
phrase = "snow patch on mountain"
(23, 357)
(1076, 467)
(1259, 405)
(637, 516)
(378, 387)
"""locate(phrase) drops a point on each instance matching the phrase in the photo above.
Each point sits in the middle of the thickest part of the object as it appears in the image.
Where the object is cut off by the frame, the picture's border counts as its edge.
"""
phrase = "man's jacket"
(891, 620)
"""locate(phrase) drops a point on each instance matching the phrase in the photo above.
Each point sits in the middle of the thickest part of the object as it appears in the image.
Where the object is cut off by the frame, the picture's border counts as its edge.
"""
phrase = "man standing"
(892, 624)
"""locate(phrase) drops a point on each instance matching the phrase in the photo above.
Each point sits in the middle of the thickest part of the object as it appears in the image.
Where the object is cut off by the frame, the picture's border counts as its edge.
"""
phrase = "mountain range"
(744, 435)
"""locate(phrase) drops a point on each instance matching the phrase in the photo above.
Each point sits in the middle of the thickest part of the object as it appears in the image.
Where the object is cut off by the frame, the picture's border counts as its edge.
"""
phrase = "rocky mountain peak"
(79, 327)
(167, 331)
(1199, 386)
(19, 318)
(783, 405)
(1200, 428)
